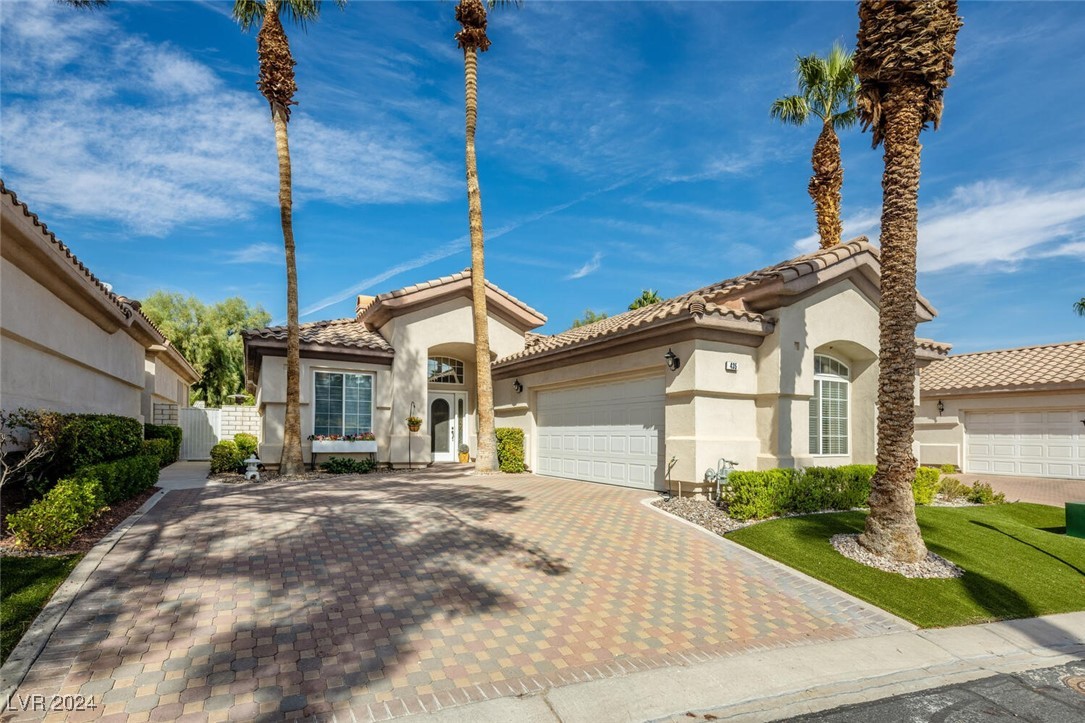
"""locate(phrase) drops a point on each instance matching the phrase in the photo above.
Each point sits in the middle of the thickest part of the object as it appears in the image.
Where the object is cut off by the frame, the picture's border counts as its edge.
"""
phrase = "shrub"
(348, 465)
(165, 431)
(757, 495)
(831, 488)
(246, 444)
(953, 489)
(92, 438)
(948, 469)
(925, 485)
(510, 449)
(55, 519)
(983, 494)
(122, 479)
(162, 449)
(225, 457)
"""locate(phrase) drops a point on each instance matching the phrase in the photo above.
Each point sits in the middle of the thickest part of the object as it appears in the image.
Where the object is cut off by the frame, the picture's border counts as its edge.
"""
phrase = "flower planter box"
(331, 446)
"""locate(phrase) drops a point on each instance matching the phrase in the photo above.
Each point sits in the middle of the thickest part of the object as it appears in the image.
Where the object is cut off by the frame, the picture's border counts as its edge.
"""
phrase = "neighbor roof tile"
(1032, 367)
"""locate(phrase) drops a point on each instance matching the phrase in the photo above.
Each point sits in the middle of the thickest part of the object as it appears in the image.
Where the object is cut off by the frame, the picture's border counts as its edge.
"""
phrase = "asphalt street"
(1046, 695)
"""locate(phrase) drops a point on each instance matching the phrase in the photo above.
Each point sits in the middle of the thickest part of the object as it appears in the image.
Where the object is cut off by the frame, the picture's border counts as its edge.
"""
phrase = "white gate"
(199, 432)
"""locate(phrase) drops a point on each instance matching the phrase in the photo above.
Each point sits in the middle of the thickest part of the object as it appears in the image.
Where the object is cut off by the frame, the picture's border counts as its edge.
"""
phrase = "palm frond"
(812, 72)
(792, 109)
(1079, 306)
(494, 4)
(846, 118)
(251, 12)
(84, 4)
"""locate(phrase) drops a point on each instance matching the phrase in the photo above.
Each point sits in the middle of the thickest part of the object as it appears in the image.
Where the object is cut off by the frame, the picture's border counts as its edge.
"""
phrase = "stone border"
(37, 635)
(904, 624)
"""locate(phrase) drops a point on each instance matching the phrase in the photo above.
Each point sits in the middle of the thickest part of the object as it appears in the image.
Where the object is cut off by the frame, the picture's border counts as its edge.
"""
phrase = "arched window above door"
(445, 370)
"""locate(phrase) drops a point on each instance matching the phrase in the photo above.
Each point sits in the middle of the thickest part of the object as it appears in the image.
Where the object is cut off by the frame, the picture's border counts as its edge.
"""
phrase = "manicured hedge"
(123, 478)
(246, 444)
(349, 465)
(55, 519)
(92, 438)
(165, 431)
(162, 449)
(510, 449)
(226, 457)
(757, 495)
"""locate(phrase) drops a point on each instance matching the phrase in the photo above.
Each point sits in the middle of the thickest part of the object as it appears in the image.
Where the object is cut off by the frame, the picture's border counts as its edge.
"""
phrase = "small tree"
(647, 298)
(590, 317)
(27, 442)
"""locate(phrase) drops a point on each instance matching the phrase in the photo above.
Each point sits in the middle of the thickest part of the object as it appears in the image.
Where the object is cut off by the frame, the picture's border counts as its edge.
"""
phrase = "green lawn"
(1017, 562)
(26, 584)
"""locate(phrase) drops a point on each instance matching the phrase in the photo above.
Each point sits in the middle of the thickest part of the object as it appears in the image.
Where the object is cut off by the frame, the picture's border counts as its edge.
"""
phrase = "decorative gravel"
(700, 512)
(935, 566)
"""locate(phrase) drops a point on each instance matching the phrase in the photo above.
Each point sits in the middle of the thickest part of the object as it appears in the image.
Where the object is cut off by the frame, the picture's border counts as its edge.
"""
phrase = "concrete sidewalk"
(186, 476)
(783, 683)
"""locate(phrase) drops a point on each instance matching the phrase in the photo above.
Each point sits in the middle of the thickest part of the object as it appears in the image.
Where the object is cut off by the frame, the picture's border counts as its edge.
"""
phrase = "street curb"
(41, 630)
(904, 624)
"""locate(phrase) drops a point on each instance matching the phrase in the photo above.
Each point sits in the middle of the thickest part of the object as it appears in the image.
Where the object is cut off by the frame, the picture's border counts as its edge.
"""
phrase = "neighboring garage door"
(1032, 444)
(609, 433)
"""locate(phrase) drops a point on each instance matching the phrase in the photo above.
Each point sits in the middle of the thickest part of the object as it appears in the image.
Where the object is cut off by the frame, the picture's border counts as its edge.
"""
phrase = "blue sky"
(621, 146)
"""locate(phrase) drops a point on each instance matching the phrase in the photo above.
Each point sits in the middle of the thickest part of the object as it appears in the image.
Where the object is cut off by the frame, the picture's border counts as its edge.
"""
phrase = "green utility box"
(1075, 519)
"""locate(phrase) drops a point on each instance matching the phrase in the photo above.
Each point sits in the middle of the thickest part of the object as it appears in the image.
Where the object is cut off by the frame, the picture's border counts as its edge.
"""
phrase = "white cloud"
(588, 268)
(989, 223)
(257, 253)
(109, 126)
(986, 223)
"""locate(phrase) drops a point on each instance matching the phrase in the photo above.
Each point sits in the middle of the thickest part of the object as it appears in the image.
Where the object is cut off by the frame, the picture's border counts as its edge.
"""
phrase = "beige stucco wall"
(841, 322)
(941, 437)
(271, 403)
(55, 357)
(757, 415)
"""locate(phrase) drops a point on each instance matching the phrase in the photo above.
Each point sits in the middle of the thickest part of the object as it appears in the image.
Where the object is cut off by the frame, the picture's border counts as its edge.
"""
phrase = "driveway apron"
(389, 594)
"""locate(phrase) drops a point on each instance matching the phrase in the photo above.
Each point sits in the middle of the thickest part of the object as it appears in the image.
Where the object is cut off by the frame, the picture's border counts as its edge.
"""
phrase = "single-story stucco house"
(70, 344)
(775, 368)
(1007, 412)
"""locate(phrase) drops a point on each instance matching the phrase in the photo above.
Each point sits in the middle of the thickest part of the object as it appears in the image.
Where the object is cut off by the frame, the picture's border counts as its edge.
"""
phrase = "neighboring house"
(68, 342)
(1007, 412)
(774, 368)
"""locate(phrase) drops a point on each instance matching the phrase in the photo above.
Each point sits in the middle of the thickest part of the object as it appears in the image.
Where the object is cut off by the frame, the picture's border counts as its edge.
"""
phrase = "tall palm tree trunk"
(291, 461)
(891, 527)
(825, 185)
(486, 454)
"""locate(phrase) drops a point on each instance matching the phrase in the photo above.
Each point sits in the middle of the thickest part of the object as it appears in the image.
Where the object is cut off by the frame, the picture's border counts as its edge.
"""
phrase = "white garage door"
(1032, 444)
(609, 433)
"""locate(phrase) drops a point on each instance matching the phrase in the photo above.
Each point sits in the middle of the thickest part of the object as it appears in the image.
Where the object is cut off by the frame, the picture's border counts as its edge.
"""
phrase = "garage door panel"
(1043, 443)
(615, 437)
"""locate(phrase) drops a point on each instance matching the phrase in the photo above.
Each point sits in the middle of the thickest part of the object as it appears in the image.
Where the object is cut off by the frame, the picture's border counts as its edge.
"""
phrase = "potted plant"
(414, 423)
(465, 454)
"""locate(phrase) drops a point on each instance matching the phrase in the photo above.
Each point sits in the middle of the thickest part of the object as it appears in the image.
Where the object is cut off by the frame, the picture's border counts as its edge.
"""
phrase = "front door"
(443, 426)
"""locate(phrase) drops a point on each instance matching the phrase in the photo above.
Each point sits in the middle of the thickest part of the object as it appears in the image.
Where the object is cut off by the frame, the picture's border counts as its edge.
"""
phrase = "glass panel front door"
(441, 432)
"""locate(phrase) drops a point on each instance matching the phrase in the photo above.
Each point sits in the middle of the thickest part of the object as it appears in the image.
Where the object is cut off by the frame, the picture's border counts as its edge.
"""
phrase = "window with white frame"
(445, 370)
(342, 403)
(829, 407)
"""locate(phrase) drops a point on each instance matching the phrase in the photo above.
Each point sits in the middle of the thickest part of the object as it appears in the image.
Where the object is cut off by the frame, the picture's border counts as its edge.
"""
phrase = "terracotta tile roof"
(721, 299)
(932, 345)
(337, 332)
(444, 281)
(1031, 367)
(71, 257)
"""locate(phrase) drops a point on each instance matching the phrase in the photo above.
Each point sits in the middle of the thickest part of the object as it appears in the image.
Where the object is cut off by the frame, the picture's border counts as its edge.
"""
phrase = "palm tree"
(471, 15)
(647, 298)
(276, 83)
(1079, 306)
(904, 59)
(827, 90)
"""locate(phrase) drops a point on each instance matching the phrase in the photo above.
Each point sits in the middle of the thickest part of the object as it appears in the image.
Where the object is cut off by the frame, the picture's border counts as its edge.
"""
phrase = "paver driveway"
(387, 594)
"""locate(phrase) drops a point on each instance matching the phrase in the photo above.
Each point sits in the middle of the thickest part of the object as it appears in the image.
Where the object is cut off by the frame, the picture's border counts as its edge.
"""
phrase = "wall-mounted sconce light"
(517, 386)
(941, 406)
(673, 362)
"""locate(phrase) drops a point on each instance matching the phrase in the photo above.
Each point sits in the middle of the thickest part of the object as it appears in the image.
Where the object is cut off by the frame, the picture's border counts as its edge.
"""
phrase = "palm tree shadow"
(326, 588)
(1029, 544)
